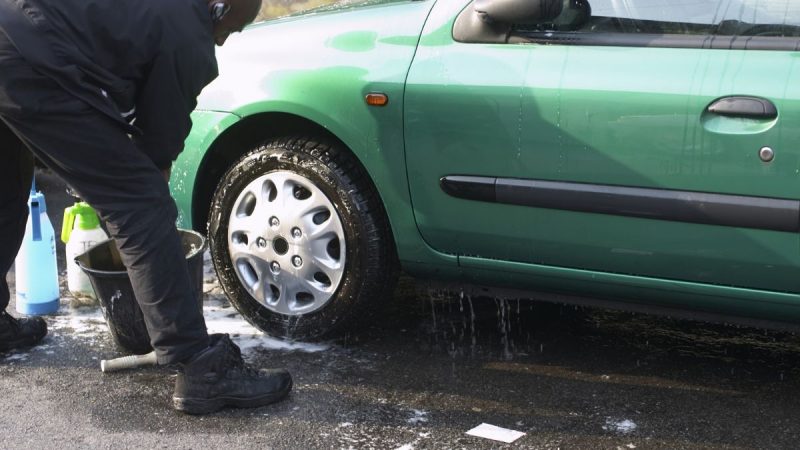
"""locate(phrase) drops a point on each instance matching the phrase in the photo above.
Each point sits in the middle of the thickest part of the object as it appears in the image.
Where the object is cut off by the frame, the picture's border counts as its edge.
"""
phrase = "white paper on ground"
(487, 431)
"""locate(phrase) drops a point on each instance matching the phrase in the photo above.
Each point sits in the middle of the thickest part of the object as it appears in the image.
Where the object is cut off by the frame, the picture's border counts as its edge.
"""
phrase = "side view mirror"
(518, 11)
(492, 21)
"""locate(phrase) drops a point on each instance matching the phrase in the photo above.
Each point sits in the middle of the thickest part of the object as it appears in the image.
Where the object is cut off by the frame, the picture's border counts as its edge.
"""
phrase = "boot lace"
(234, 361)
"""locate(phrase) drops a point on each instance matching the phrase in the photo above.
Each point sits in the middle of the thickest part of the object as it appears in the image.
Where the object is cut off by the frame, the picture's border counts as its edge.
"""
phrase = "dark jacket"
(150, 58)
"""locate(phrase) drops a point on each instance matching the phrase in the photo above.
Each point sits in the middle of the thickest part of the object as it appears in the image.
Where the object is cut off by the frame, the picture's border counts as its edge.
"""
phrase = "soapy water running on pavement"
(221, 317)
(87, 324)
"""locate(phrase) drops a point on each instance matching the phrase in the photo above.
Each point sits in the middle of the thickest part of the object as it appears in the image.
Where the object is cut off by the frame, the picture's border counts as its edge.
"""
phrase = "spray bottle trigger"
(69, 222)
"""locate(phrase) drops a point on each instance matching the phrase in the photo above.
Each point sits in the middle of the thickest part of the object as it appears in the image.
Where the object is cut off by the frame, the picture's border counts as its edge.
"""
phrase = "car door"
(644, 137)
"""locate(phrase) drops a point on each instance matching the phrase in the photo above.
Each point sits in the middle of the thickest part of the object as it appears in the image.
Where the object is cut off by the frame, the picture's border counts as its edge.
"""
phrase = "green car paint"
(321, 73)
(207, 126)
(580, 114)
(588, 115)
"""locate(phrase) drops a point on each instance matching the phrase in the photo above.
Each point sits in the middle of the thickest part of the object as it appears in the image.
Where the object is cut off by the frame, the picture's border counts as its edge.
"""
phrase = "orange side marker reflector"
(377, 99)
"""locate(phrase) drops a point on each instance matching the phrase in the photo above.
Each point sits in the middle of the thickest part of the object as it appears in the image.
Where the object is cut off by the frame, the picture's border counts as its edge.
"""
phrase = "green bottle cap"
(81, 216)
(86, 217)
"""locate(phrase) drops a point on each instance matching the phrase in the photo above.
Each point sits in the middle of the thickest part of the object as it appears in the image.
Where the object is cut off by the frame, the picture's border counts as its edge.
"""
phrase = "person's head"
(230, 16)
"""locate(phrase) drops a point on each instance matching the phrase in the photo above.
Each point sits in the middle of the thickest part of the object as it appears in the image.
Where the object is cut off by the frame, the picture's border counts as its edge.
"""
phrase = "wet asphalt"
(426, 371)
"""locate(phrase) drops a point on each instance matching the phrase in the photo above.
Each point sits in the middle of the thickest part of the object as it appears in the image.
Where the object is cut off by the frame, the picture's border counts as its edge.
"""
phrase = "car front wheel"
(300, 240)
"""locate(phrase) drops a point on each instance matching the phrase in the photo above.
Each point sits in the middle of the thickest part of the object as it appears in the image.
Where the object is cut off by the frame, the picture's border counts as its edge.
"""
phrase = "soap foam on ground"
(248, 337)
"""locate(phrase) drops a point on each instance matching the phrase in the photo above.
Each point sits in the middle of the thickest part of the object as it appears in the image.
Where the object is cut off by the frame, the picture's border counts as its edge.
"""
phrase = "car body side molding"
(660, 204)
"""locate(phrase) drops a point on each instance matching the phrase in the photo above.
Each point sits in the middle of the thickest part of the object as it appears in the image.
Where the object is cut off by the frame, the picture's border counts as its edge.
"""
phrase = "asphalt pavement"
(434, 365)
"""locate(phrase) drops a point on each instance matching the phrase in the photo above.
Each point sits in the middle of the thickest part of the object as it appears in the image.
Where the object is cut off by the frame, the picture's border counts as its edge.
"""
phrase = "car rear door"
(653, 138)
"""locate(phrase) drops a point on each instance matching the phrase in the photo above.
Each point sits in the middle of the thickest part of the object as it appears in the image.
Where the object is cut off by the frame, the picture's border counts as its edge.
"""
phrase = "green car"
(638, 154)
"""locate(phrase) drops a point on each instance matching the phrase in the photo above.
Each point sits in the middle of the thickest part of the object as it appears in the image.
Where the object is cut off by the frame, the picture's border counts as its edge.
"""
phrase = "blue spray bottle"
(35, 267)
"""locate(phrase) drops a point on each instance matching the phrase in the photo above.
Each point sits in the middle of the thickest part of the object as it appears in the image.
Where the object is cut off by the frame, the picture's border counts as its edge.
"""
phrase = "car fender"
(321, 72)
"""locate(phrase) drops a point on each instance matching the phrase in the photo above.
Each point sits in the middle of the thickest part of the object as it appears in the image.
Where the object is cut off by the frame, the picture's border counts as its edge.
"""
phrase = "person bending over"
(100, 91)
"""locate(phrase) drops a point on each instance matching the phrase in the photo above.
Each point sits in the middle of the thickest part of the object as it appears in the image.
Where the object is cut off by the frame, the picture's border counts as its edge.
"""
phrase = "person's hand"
(167, 173)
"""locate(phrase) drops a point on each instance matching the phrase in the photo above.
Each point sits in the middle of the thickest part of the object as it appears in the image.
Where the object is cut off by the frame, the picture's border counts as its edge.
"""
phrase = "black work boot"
(218, 377)
(20, 333)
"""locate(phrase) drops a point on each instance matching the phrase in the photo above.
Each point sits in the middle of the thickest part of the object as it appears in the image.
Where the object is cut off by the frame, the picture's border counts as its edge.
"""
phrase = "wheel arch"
(243, 136)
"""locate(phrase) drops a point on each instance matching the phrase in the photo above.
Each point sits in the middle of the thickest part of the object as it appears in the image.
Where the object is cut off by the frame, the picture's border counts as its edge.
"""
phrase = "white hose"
(128, 362)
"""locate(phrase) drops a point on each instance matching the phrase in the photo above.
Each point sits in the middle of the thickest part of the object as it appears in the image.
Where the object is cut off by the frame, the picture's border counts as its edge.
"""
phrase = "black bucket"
(112, 286)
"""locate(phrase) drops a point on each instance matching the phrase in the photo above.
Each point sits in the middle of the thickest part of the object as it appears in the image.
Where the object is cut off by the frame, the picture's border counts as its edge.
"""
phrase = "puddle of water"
(462, 325)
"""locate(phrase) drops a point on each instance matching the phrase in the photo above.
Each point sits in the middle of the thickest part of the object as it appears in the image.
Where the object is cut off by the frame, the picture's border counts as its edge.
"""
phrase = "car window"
(742, 18)
(677, 21)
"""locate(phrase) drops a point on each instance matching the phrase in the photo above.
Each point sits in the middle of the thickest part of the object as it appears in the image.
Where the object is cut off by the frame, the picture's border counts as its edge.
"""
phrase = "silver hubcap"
(286, 242)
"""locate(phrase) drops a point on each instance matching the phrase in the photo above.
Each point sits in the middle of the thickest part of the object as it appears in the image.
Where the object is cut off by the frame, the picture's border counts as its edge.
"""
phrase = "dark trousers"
(94, 155)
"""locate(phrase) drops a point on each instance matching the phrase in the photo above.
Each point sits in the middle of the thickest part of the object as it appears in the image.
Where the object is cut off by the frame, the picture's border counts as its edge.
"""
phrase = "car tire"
(305, 198)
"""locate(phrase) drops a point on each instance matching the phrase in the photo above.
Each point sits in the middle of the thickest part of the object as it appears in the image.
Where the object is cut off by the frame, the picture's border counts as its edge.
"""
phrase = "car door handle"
(741, 106)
